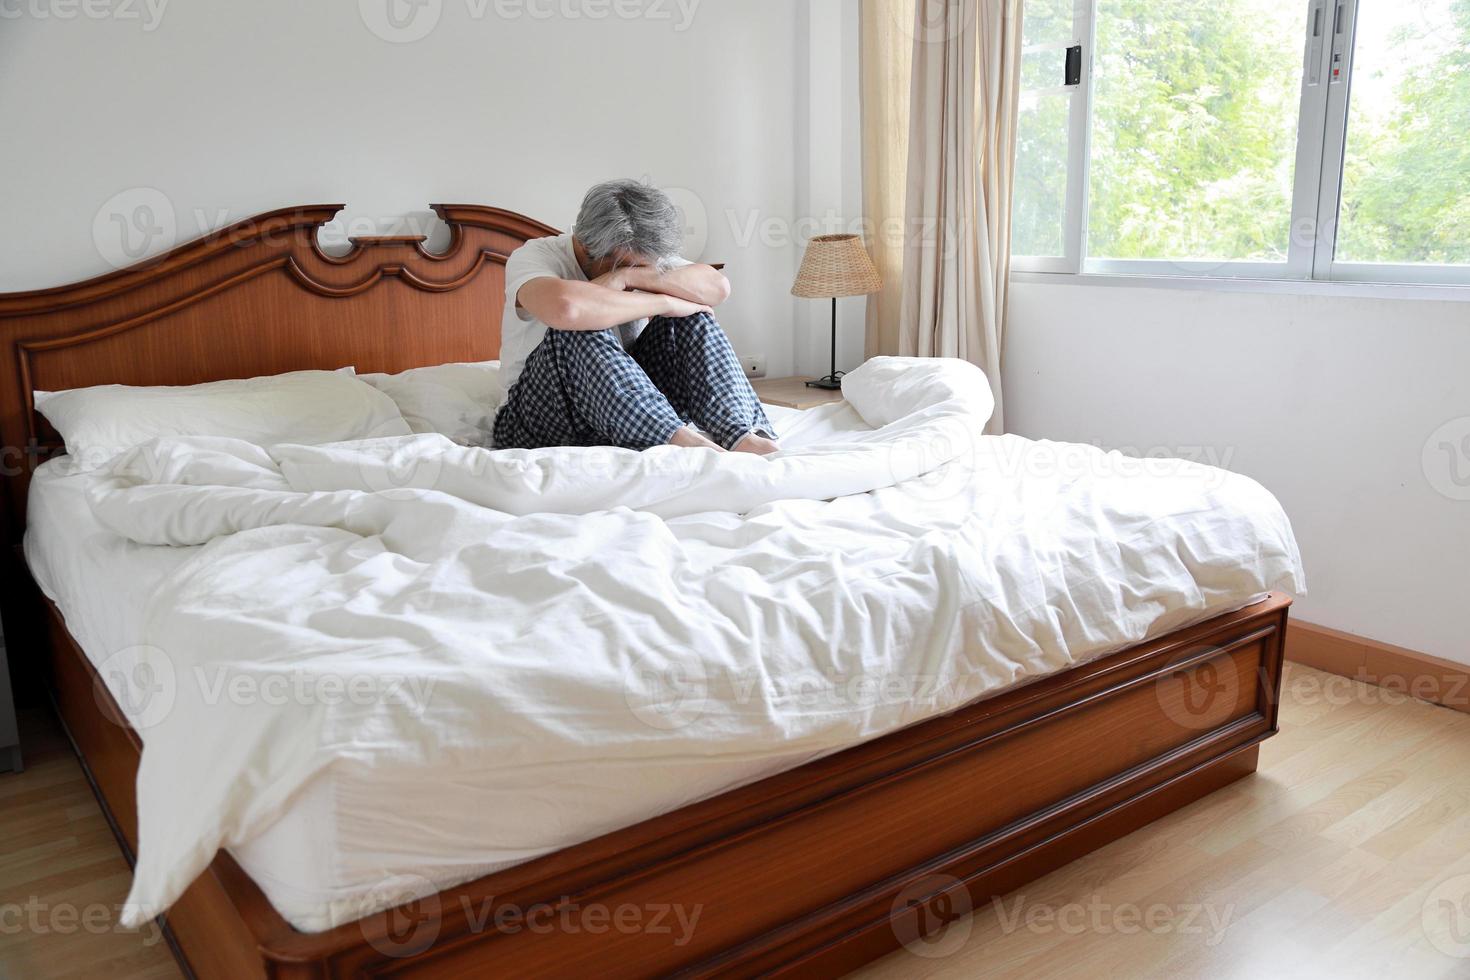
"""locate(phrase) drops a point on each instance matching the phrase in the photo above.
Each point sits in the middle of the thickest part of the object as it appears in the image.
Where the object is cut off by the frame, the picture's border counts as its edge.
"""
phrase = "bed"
(813, 861)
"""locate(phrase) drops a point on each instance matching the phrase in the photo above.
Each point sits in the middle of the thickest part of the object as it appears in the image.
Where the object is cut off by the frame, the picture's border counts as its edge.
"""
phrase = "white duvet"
(406, 605)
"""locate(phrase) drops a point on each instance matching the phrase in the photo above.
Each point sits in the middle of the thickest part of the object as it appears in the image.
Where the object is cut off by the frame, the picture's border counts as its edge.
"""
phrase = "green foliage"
(1194, 131)
(1406, 181)
(1041, 177)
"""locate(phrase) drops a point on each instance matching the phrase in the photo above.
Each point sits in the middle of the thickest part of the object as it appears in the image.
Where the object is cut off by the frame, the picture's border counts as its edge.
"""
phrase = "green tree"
(1194, 129)
(1406, 180)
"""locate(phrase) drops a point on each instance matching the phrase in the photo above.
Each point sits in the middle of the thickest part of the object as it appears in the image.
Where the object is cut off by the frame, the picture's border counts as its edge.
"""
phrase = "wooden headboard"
(259, 297)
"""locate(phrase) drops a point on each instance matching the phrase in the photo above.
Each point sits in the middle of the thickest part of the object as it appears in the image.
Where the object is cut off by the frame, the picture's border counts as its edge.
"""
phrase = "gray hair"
(631, 215)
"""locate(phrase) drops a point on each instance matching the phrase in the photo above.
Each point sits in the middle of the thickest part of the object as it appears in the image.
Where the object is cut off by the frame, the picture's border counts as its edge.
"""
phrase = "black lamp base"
(833, 381)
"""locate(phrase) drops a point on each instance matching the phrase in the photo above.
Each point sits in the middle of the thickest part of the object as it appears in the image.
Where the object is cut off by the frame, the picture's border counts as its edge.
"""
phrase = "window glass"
(1039, 210)
(1194, 126)
(1048, 22)
(1406, 171)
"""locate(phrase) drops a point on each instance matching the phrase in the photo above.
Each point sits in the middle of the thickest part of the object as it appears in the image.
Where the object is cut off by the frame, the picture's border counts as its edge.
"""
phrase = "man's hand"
(678, 307)
(567, 304)
(616, 279)
(701, 284)
(664, 286)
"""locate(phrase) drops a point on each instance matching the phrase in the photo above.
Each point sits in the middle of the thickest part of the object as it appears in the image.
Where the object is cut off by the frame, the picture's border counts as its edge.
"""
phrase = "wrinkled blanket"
(408, 605)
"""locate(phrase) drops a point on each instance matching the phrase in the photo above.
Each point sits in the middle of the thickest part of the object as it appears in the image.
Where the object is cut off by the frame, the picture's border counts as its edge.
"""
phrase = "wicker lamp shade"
(836, 265)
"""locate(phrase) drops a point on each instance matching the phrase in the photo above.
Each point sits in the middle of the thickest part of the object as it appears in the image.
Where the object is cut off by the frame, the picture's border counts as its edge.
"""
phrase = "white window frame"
(1329, 34)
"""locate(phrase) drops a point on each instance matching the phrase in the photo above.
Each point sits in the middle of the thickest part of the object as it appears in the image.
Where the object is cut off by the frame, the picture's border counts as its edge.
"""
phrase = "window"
(1050, 111)
(1406, 170)
(1324, 139)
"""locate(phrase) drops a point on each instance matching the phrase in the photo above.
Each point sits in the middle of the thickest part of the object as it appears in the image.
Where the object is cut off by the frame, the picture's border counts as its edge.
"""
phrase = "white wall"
(829, 189)
(217, 111)
(1340, 406)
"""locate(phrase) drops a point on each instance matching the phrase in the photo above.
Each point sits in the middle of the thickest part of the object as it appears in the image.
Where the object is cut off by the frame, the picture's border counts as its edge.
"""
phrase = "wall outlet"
(754, 365)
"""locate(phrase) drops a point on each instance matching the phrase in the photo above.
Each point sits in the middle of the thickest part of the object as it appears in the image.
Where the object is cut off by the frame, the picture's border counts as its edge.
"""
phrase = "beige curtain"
(962, 107)
(886, 62)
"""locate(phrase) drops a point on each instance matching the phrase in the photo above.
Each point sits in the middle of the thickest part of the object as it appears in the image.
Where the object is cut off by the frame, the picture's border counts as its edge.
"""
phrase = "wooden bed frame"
(812, 871)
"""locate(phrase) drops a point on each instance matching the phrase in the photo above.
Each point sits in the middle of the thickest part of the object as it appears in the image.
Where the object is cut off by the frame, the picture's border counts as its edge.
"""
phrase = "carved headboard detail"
(258, 297)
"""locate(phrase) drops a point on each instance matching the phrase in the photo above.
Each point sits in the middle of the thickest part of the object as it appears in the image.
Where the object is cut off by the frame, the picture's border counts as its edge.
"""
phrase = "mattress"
(326, 860)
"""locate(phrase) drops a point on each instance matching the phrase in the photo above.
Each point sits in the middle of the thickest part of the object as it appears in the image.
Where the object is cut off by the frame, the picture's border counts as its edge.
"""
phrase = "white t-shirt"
(520, 332)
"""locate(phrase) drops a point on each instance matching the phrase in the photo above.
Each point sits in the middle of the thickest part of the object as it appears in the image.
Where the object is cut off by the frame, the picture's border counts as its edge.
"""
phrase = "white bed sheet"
(345, 841)
(324, 861)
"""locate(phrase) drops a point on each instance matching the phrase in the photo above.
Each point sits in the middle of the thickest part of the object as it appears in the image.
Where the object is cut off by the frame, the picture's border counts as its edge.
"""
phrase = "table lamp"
(833, 266)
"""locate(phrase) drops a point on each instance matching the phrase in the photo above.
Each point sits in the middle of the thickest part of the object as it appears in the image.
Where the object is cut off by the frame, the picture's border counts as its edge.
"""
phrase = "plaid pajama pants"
(581, 388)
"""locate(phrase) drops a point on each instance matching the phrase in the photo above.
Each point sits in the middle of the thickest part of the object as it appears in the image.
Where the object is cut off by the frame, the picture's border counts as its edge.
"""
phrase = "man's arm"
(702, 284)
(566, 304)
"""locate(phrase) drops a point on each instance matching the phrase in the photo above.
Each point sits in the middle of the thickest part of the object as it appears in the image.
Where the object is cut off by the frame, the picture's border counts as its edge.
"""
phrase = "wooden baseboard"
(1403, 671)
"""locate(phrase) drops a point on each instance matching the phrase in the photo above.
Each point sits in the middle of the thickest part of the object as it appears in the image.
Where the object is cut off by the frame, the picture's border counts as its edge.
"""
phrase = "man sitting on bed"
(609, 339)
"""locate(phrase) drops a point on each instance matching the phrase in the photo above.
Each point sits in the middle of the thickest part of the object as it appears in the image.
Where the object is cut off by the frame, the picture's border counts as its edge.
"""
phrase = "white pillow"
(311, 407)
(454, 400)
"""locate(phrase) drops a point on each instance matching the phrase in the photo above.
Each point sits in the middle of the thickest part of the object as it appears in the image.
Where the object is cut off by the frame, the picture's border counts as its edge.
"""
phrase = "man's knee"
(584, 338)
(696, 322)
(581, 345)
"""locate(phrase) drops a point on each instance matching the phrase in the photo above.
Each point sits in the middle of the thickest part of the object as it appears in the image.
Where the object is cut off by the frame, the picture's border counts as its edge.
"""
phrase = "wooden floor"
(1347, 855)
(62, 877)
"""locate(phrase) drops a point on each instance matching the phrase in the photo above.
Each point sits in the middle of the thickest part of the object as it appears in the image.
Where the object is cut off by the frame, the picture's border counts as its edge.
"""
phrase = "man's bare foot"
(755, 443)
(688, 438)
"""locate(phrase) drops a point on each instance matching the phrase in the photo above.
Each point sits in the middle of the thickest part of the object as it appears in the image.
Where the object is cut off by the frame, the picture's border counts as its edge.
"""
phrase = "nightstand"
(793, 393)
